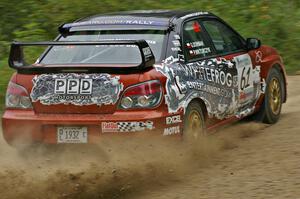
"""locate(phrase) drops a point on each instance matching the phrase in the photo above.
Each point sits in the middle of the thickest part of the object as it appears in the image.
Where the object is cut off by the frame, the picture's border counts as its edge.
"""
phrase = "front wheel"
(271, 107)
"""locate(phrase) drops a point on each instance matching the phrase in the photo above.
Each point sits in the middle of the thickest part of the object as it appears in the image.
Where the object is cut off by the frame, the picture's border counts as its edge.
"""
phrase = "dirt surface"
(244, 160)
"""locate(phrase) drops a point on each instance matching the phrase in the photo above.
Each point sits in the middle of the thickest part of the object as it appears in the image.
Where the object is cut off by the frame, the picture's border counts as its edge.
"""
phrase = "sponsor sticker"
(147, 52)
(173, 119)
(172, 130)
(199, 51)
(112, 21)
(227, 87)
(77, 89)
(175, 49)
(176, 43)
(194, 44)
(73, 86)
(258, 56)
(108, 127)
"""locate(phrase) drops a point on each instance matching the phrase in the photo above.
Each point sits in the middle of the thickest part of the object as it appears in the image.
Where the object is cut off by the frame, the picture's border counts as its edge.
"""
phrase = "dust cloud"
(114, 168)
(263, 158)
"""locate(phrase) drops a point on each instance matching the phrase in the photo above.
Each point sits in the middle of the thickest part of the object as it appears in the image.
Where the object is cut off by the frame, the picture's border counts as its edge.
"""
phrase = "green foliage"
(5, 74)
(276, 23)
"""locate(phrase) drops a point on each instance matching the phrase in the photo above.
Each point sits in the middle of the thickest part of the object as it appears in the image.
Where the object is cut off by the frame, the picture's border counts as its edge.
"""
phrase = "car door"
(210, 79)
(229, 45)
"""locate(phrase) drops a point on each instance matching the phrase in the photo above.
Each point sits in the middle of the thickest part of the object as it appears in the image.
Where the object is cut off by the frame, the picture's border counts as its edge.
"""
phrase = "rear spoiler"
(16, 58)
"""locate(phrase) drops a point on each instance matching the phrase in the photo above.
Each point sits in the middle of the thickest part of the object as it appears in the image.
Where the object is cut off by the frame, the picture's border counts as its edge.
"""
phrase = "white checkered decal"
(126, 126)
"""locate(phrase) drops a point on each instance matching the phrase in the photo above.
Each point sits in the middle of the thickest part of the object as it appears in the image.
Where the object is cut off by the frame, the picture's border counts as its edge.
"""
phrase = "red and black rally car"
(163, 72)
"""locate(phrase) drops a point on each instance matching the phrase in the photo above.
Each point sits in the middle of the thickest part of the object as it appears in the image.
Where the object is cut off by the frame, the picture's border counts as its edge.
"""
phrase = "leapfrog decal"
(219, 83)
(77, 89)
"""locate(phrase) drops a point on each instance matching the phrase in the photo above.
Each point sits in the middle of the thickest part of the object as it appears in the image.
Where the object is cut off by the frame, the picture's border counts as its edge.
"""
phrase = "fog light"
(126, 102)
(144, 101)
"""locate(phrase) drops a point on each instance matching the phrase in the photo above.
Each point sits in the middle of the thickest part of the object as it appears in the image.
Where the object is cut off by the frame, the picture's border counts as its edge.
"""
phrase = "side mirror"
(253, 43)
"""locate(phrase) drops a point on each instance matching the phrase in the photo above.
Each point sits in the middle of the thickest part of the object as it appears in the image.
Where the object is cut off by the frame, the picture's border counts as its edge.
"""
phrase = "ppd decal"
(73, 86)
(77, 89)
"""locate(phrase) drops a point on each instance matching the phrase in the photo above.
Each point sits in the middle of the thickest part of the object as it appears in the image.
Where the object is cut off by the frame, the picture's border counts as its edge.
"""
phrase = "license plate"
(72, 135)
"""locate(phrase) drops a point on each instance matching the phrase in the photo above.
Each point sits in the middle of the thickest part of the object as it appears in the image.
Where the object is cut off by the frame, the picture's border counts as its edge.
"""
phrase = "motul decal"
(172, 130)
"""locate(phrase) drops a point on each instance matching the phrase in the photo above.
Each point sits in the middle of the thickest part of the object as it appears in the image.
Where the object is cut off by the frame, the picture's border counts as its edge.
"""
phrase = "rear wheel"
(194, 123)
(271, 108)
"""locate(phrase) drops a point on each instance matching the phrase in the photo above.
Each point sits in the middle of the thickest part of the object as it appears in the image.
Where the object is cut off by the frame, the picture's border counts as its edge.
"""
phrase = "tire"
(274, 92)
(194, 123)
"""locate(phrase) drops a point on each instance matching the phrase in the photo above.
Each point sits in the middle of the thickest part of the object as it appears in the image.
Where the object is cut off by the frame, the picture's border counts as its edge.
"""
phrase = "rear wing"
(16, 58)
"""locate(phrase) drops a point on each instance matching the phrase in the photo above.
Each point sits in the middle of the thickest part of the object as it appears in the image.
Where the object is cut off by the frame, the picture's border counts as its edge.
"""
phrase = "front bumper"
(19, 124)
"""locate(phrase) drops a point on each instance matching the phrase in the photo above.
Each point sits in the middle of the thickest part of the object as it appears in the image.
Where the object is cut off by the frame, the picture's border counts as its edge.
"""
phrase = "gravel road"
(243, 160)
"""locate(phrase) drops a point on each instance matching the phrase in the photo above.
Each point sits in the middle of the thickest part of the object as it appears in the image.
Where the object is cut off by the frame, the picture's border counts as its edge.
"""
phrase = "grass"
(5, 74)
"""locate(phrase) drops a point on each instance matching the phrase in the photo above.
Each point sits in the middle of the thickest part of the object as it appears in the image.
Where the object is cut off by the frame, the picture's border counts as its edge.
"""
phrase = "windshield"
(105, 54)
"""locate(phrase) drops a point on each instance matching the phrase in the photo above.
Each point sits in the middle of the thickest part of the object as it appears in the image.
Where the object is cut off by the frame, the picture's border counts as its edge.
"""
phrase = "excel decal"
(227, 87)
(77, 89)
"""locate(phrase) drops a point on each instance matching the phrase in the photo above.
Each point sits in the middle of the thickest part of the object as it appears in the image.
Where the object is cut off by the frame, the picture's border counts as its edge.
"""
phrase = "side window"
(194, 44)
(223, 38)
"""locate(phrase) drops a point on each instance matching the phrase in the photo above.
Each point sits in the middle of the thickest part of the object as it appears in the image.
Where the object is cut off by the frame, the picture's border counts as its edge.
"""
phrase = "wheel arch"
(280, 68)
(272, 59)
(202, 102)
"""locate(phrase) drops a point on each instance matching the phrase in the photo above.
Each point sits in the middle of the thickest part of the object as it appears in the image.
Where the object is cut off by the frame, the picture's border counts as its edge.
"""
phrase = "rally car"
(153, 72)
